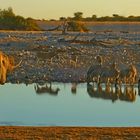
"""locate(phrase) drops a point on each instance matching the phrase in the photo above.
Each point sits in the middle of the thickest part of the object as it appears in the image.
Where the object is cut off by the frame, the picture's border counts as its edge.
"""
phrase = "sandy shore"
(69, 133)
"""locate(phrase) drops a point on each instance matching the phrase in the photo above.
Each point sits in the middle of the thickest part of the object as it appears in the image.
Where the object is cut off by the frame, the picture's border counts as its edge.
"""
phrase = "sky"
(54, 9)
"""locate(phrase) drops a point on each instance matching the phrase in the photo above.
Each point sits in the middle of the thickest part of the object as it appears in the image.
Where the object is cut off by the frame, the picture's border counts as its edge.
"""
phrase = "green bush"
(9, 21)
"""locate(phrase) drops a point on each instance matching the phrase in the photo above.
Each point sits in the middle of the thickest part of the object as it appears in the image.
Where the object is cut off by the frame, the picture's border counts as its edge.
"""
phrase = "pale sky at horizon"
(53, 9)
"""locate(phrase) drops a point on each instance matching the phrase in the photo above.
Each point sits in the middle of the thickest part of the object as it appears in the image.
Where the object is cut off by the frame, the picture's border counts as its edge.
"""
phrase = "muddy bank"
(67, 133)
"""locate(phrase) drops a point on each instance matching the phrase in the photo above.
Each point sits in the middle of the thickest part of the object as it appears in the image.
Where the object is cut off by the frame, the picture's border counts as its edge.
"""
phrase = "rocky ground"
(51, 56)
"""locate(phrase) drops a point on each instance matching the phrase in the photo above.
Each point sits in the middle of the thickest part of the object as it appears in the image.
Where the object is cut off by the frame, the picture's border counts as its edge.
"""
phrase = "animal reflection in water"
(128, 93)
(74, 88)
(41, 89)
(139, 87)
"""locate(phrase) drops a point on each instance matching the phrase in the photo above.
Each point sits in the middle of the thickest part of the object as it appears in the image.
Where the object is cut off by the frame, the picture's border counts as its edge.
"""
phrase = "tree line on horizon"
(10, 21)
(78, 16)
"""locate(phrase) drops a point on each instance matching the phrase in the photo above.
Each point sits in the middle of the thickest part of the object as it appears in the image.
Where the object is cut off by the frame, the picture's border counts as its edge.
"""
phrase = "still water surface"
(23, 105)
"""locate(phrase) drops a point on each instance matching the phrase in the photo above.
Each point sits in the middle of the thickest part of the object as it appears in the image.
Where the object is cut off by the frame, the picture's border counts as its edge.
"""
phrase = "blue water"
(21, 105)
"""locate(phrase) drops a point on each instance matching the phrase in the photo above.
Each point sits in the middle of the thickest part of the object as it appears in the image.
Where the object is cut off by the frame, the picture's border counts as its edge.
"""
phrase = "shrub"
(9, 21)
(76, 26)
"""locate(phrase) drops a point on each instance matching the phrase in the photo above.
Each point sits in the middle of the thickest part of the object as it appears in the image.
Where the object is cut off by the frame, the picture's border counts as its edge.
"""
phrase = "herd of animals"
(111, 75)
(108, 74)
(97, 74)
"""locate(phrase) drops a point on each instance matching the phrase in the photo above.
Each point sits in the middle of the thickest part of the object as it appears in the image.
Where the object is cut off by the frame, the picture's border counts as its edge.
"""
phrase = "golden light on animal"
(128, 75)
(6, 65)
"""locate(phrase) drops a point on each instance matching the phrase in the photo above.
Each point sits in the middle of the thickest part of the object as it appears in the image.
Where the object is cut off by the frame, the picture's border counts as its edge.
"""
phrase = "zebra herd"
(101, 73)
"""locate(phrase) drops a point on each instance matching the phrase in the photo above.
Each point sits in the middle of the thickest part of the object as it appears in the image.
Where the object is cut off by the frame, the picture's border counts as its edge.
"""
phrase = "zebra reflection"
(126, 93)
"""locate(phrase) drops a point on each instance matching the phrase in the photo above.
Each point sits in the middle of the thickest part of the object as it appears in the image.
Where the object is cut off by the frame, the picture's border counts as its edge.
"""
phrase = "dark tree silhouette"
(78, 16)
